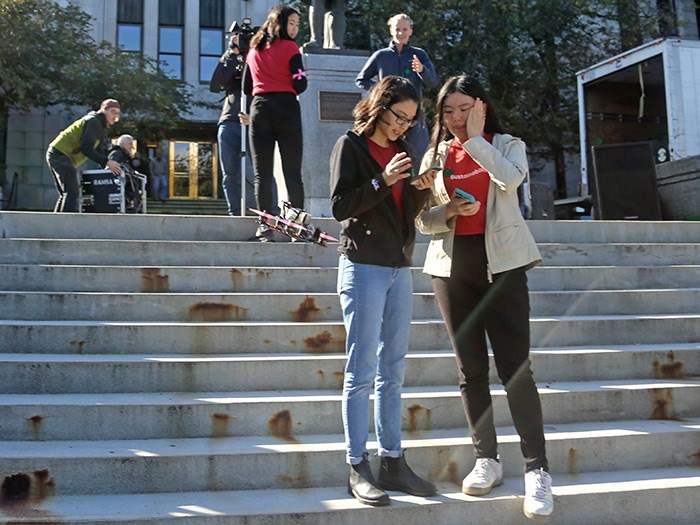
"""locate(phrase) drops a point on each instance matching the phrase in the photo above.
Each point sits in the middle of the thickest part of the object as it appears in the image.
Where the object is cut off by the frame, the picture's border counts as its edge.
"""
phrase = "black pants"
(472, 307)
(65, 177)
(276, 117)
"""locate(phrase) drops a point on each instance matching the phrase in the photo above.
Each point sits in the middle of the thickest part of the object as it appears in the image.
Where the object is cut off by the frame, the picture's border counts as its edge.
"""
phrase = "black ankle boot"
(362, 486)
(395, 474)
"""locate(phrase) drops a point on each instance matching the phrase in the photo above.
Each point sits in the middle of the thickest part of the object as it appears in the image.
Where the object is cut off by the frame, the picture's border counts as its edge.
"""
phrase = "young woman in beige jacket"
(478, 256)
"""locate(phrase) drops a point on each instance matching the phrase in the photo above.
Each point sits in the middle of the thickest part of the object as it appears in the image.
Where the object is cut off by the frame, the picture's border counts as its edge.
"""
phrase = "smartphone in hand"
(430, 169)
(464, 195)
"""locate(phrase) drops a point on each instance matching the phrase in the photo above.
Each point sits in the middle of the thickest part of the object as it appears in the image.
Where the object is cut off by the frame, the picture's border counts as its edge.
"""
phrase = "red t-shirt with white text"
(463, 172)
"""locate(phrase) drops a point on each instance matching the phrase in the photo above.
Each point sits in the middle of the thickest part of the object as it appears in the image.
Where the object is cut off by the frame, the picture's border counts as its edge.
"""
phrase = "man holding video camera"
(227, 77)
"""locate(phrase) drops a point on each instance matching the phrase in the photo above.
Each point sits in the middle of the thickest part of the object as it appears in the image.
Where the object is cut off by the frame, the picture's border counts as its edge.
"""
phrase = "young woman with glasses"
(376, 200)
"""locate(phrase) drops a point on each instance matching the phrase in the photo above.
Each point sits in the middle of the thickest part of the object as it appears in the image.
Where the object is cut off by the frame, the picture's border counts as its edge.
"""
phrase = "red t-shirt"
(269, 67)
(383, 156)
(462, 171)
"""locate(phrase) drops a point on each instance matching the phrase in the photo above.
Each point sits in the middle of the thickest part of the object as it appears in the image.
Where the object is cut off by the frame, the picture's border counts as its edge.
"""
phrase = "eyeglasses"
(402, 121)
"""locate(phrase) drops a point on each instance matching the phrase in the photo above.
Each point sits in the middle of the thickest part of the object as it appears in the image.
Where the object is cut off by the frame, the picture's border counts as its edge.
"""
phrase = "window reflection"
(129, 37)
(206, 68)
(171, 40)
(171, 65)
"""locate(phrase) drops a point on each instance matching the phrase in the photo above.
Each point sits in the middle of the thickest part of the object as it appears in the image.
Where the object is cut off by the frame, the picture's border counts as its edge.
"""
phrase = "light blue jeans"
(377, 303)
(229, 137)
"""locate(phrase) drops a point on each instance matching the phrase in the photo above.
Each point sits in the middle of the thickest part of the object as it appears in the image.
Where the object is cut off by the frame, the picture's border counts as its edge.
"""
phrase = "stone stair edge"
(84, 467)
(638, 495)
(310, 443)
(329, 323)
(296, 294)
(546, 388)
(334, 356)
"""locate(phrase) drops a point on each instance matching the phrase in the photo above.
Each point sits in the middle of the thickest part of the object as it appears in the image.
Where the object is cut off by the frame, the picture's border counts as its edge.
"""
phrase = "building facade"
(188, 36)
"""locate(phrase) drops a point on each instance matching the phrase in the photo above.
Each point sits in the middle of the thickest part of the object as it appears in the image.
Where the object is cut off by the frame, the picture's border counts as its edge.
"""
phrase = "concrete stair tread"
(239, 358)
(422, 240)
(237, 252)
(106, 267)
(301, 279)
(136, 323)
(315, 443)
(316, 306)
(237, 397)
(333, 505)
(18, 223)
(227, 294)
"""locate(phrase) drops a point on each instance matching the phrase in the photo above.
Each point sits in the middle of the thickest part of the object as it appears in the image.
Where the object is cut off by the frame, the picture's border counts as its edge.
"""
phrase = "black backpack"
(228, 74)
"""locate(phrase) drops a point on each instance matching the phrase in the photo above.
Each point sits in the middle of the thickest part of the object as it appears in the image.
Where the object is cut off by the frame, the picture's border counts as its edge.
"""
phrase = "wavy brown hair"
(385, 93)
(274, 27)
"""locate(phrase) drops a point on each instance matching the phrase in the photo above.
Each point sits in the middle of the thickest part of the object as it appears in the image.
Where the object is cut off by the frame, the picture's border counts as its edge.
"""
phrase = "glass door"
(193, 172)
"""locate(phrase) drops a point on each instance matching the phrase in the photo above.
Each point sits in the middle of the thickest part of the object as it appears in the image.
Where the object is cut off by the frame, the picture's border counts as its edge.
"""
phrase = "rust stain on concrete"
(152, 281)
(307, 311)
(671, 369)
(219, 424)
(216, 312)
(280, 425)
(572, 461)
(35, 426)
(662, 404)
(321, 343)
(418, 414)
(78, 345)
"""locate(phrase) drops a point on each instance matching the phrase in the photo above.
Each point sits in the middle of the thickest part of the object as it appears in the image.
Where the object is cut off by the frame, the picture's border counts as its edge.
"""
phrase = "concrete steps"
(252, 306)
(187, 228)
(229, 253)
(124, 337)
(94, 373)
(622, 496)
(216, 414)
(134, 350)
(299, 279)
(133, 466)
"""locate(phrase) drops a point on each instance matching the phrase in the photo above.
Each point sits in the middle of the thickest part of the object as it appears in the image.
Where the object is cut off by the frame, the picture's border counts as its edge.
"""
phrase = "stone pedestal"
(326, 114)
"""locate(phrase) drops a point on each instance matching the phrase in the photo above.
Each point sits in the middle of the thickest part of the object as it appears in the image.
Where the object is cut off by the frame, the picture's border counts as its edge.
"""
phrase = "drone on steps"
(294, 223)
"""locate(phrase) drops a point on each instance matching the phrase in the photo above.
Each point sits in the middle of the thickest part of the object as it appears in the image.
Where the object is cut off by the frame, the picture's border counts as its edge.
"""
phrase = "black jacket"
(93, 131)
(371, 232)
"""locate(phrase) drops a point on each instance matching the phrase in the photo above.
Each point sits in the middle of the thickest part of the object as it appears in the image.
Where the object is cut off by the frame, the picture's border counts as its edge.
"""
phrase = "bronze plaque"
(337, 106)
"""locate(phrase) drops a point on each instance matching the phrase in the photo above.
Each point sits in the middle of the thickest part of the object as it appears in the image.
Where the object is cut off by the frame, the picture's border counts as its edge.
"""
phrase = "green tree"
(47, 57)
(526, 52)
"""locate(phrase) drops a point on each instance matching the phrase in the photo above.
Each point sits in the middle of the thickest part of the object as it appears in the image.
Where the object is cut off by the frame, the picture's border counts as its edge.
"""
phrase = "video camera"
(229, 71)
(245, 32)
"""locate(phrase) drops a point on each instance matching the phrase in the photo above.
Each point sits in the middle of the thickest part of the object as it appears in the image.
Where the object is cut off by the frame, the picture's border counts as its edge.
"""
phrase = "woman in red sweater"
(274, 76)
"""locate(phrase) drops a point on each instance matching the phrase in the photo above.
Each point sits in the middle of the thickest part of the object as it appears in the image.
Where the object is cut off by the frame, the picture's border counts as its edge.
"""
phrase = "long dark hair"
(467, 85)
(274, 27)
(388, 91)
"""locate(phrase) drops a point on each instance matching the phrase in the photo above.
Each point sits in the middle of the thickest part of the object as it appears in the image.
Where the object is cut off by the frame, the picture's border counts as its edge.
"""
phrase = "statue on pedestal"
(327, 24)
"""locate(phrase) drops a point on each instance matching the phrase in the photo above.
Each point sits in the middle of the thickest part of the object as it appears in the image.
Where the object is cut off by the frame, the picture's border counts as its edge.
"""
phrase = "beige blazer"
(509, 243)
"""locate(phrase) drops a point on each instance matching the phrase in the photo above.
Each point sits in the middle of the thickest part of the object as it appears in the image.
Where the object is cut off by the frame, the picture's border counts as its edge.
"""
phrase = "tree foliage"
(526, 52)
(47, 57)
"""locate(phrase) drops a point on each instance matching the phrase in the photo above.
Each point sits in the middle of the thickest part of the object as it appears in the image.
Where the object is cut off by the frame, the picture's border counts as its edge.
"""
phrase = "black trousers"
(276, 118)
(65, 177)
(472, 307)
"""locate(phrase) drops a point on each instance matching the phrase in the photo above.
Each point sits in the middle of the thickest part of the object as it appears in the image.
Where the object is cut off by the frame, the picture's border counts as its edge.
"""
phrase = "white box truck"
(650, 93)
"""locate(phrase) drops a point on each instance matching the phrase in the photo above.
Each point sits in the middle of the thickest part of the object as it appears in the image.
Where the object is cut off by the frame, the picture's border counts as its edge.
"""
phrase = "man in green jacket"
(74, 145)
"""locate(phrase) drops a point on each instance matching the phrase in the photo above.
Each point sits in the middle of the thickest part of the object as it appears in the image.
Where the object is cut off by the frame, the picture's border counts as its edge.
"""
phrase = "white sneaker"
(486, 474)
(538, 504)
